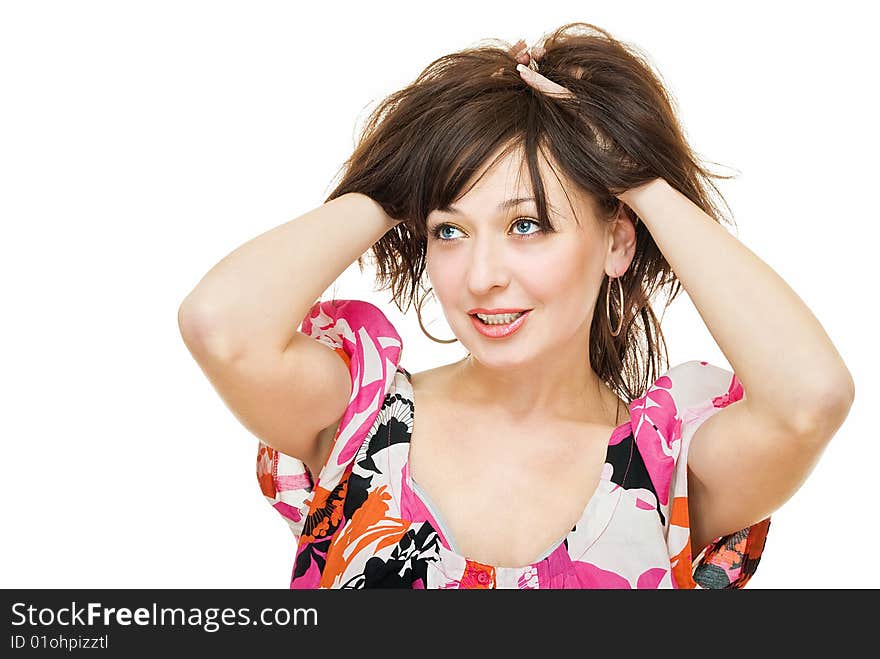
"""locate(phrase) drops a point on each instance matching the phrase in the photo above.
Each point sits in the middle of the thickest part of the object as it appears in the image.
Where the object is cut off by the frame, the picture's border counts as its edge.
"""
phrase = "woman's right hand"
(523, 54)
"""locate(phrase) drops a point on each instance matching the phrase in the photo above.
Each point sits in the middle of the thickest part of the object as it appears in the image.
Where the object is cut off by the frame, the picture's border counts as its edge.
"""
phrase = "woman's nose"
(488, 267)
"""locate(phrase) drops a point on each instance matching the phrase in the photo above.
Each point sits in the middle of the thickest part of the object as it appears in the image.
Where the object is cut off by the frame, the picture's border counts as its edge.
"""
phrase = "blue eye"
(525, 220)
(438, 231)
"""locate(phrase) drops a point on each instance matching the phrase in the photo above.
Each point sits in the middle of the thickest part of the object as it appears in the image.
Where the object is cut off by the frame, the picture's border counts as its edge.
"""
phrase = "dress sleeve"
(666, 418)
(367, 342)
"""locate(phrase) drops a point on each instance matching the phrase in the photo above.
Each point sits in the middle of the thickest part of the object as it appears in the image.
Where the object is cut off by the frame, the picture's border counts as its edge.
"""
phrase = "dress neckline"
(429, 505)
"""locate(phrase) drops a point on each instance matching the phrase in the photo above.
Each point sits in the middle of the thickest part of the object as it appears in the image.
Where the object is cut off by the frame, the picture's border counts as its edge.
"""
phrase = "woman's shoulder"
(682, 387)
(429, 377)
(673, 406)
(363, 337)
(351, 319)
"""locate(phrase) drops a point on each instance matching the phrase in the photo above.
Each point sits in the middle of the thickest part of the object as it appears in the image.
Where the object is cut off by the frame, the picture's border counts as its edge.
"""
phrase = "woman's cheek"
(547, 269)
(442, 268)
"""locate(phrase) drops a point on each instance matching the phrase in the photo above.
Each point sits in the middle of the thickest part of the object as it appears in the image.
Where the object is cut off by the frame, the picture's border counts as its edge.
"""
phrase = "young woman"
(547, 205)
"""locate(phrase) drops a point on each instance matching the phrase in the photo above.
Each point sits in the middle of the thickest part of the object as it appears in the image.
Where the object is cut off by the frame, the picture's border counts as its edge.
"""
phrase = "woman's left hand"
(523, 55)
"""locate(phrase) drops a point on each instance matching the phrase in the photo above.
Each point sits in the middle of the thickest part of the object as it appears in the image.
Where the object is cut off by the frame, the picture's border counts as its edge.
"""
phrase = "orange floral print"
(367, 525)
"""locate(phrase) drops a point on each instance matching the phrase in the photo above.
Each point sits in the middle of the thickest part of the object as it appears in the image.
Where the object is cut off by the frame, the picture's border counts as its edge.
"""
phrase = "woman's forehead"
(504, 183)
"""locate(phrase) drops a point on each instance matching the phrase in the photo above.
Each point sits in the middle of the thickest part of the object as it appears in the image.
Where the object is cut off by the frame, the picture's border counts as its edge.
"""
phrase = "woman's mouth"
(499, 326)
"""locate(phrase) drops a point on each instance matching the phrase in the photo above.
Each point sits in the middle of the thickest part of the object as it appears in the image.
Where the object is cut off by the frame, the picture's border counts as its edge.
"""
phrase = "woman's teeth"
(499, 319)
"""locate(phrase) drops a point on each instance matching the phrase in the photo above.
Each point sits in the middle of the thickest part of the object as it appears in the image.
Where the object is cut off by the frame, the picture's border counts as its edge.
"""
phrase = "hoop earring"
(608, 305)
(419, 316)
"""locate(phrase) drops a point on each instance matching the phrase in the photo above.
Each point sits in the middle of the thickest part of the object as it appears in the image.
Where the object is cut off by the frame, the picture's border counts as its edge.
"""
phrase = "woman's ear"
(628, 213)
(621, 241)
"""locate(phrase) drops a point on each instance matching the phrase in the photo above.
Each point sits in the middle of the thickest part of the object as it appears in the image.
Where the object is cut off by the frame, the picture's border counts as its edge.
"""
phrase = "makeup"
(499, 331)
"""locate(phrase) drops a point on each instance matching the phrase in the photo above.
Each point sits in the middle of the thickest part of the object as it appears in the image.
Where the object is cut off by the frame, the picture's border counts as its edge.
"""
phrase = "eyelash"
(435, 232)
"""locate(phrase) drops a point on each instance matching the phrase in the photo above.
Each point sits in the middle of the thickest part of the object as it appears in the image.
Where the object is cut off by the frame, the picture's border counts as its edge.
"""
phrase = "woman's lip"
(499, 331)
(493, 312)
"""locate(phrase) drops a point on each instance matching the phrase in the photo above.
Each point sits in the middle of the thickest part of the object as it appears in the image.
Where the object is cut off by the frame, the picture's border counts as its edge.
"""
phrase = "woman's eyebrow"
(504, 205)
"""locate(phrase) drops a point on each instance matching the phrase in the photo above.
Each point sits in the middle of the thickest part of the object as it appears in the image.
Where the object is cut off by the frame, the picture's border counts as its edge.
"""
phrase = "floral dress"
(364, 523)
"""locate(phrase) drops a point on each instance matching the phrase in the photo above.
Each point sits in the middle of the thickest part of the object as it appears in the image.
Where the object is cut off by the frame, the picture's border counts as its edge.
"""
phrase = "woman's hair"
(422, 145)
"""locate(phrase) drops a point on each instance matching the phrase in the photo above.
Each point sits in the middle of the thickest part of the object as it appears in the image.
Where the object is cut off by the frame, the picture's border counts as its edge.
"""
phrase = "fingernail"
(521, 67)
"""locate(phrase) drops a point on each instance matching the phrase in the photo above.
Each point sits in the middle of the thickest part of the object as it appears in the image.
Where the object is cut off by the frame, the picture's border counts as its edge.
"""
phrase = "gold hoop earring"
(419, 316)
(608, 305)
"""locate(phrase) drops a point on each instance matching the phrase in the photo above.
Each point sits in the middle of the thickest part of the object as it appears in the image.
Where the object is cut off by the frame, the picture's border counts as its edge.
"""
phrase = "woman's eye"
(442, 231)
(524, 221)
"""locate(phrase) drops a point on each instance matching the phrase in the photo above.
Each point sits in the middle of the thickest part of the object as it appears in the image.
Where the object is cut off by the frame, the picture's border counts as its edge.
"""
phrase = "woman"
(547, 204)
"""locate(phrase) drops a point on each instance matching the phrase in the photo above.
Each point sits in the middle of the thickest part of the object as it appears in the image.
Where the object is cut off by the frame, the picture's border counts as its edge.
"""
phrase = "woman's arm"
(256, 297)
(789, 368)
(779, 351)
(749, 458)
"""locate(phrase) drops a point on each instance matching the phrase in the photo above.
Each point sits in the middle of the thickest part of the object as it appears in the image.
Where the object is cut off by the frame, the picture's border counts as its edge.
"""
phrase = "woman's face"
(495, 257)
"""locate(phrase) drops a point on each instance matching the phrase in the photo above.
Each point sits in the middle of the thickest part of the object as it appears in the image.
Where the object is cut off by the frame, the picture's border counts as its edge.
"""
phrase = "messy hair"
(421, 147)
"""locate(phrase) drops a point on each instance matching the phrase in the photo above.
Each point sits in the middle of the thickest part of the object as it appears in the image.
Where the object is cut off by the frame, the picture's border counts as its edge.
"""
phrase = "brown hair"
(421, 146)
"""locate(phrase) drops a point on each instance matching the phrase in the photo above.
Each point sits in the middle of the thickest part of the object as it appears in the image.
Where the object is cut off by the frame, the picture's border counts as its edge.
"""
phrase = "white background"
(140, 142)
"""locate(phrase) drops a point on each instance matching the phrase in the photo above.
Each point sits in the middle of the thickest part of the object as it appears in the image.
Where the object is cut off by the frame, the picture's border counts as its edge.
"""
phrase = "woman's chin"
(495, 358)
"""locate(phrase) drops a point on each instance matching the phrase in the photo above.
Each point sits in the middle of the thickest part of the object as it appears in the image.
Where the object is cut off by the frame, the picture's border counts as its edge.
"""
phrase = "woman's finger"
(516, 51)
(542, 84)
